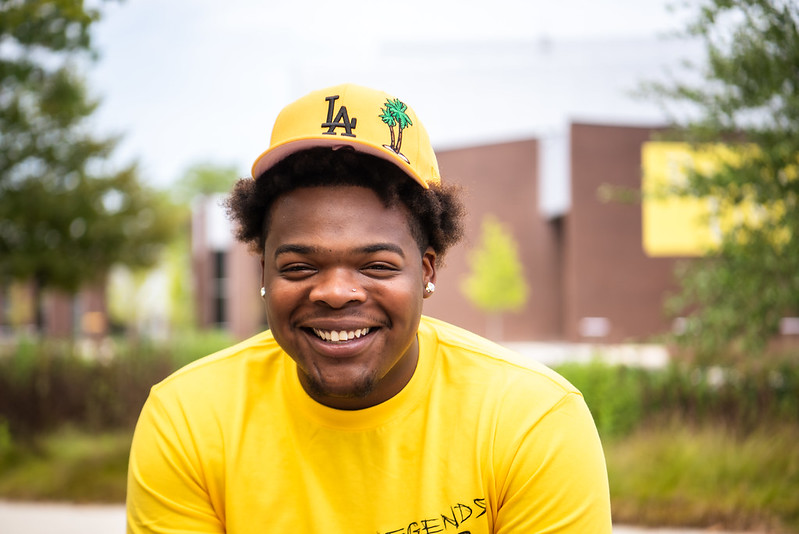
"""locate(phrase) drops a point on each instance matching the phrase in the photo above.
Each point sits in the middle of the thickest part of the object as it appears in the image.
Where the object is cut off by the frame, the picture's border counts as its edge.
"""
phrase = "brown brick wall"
(606, 273)
(245, 308)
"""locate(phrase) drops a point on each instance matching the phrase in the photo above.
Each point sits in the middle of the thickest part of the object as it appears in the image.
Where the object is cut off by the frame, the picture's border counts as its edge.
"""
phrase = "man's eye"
(296, 269)
(380, 267)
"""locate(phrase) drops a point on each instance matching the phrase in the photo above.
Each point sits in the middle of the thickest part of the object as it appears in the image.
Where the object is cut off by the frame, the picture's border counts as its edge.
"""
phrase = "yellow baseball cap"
(367, 120)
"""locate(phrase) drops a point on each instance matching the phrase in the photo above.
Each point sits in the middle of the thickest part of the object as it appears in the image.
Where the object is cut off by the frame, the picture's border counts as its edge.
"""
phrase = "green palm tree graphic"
(393, 114)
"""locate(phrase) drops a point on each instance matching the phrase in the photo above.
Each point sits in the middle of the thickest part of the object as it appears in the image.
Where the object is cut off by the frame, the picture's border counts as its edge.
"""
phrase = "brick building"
(54, 313)
(588, 274)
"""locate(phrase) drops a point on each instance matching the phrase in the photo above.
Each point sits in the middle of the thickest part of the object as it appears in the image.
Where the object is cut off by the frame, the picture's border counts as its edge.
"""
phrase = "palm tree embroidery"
(393, 114)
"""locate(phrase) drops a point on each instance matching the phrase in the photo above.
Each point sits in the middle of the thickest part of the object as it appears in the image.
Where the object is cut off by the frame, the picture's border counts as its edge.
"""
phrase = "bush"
(613, 393)
(46, 384)
(742, 398)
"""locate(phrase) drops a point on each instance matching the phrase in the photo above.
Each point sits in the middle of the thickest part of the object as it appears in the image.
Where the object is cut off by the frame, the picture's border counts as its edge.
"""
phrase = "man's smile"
(340, 336)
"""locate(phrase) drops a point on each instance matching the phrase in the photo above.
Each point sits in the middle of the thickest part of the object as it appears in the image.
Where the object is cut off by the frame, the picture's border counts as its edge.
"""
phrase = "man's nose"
(337, 288)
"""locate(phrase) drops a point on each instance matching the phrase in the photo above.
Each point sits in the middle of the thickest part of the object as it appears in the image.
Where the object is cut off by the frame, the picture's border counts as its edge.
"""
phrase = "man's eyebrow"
(382, 247)
(368, 249)
(296, 249)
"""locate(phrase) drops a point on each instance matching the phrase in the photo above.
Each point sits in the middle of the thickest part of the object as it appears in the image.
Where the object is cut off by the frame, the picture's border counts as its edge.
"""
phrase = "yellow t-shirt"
(479, 441)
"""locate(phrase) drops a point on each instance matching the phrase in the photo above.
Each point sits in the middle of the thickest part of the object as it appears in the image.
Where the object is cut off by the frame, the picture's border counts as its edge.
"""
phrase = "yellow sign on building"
(685, 226)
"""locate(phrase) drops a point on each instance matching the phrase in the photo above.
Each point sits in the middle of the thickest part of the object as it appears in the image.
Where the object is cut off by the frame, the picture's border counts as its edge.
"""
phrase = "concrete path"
(37, 518)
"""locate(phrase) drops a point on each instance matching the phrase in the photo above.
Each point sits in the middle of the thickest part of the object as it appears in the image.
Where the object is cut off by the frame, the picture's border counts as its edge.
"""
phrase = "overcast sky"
(188, 81)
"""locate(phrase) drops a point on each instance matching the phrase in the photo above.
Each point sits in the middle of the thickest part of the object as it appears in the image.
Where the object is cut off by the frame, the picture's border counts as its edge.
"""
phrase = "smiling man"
(354, 413)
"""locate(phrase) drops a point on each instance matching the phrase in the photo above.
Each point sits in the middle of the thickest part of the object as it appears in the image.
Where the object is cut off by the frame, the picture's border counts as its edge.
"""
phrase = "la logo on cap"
(342, 119)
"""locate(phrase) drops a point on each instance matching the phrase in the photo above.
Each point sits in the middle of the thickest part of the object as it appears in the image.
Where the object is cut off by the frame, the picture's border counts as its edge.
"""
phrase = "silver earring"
(429, 288)
(263, 292)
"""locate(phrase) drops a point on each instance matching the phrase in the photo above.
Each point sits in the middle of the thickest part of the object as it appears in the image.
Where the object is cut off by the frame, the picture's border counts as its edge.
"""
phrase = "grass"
(67, 465)
(707, 477)
(668, 475)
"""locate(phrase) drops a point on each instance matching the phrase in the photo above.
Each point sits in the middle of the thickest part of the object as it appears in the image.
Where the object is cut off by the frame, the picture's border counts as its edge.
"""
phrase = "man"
(354, 413)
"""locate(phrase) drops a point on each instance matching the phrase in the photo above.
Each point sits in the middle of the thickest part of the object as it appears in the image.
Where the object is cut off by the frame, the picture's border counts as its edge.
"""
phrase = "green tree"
(65, 216)
(203, 179)
(496, 282)
(747, 95)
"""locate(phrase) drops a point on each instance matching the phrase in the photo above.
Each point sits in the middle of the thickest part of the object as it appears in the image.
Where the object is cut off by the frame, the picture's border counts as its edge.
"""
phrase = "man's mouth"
(340, 336)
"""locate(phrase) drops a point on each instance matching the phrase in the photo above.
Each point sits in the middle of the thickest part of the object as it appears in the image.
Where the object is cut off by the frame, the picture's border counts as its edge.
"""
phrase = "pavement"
(38, 518)
(553, 354)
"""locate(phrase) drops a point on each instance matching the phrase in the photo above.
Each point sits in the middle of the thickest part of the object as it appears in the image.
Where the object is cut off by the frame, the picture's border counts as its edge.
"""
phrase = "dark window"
(219, 280)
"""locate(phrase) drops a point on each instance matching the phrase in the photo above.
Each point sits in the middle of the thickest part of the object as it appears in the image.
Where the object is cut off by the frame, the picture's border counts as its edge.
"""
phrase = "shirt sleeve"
(167, 490)
(556, 479)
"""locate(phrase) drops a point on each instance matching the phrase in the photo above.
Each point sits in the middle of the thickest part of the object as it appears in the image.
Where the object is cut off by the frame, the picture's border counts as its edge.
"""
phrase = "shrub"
(742, 398)
(613, 393)
(47, 384)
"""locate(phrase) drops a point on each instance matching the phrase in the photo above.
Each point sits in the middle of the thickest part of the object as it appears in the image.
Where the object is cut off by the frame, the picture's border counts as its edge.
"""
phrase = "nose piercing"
(354, 290)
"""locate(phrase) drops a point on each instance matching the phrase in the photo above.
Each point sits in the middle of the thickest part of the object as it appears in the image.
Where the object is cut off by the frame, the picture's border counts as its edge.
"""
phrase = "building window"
(219, 283)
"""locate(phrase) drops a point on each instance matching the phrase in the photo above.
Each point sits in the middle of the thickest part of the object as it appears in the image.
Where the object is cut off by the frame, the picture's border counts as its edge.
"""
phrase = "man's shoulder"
(495, 362)
(225, 363)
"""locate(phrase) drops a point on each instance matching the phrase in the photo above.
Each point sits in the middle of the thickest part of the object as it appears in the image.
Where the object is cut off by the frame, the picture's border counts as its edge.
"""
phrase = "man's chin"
(358, 389)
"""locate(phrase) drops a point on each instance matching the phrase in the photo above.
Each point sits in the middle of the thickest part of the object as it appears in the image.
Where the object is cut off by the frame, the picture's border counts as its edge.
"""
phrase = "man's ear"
(428, 269)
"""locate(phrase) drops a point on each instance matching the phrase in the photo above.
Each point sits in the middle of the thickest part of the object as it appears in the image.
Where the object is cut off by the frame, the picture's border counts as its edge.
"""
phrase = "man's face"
(344, 283)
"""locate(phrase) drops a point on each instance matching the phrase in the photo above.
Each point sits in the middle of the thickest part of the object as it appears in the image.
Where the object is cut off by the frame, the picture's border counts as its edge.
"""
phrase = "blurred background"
(631, 178)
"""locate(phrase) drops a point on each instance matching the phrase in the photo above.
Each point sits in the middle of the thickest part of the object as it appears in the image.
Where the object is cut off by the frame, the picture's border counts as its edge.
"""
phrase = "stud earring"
(429, 288)
(263, 292)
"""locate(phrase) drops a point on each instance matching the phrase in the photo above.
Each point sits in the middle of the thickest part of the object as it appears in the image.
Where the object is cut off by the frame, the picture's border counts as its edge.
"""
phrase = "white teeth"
(341, 335)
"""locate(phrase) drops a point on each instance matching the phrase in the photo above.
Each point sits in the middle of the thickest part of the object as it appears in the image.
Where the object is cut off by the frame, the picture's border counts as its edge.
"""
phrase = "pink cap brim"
(279, 152)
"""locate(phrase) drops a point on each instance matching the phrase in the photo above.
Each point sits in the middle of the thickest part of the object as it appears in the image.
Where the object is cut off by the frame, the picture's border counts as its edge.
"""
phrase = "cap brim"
(281, 151)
